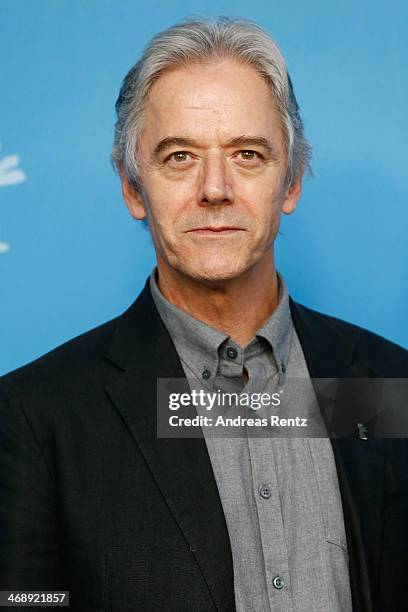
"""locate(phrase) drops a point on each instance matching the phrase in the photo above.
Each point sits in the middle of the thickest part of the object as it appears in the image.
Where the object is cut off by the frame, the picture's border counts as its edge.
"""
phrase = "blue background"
(72, 257)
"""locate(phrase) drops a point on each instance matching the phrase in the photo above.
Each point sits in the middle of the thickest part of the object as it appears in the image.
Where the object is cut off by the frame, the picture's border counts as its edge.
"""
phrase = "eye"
(178, 156)
(248, 155)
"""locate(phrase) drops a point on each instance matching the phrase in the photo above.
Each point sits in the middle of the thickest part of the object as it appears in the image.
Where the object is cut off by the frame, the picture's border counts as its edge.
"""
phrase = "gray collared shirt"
(280, 496)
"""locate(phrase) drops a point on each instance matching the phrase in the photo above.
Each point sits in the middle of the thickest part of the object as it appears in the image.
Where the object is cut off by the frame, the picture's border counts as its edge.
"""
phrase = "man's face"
(212, 166)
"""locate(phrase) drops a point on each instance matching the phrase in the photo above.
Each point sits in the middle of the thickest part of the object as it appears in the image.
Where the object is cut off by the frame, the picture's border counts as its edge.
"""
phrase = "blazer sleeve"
(29, 549)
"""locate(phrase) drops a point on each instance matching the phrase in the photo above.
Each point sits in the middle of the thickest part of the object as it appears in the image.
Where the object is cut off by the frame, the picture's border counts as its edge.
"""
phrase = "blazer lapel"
(181, 467)
(359, 463)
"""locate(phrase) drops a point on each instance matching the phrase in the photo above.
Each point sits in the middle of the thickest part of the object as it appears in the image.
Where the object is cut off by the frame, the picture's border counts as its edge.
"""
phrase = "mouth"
(212, 230)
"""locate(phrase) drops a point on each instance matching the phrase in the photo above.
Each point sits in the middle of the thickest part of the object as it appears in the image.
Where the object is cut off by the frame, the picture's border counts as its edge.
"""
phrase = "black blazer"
(93, 502)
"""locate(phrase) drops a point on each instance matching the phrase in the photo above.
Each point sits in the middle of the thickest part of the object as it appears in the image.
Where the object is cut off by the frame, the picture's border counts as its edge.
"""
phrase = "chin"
(214, 271)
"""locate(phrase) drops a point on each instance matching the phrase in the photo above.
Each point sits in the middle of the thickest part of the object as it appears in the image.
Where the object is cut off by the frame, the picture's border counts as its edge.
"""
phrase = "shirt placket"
(265, 488)
(271, 528)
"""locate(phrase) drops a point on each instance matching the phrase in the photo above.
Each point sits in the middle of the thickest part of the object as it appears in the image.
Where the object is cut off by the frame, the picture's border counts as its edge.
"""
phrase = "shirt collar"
(201, 342)
(191, 337)
(277, 330)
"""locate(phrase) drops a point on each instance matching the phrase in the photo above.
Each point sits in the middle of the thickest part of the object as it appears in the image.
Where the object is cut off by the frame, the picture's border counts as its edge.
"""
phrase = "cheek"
(166, 208)
(264, 207)
(161, 184)
(169, 197)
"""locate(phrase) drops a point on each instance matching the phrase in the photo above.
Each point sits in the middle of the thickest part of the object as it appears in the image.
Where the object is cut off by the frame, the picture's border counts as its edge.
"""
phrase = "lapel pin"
(362, 431)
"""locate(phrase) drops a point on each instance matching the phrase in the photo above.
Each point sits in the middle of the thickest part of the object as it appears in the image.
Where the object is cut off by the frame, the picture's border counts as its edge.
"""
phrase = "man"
(210, 149)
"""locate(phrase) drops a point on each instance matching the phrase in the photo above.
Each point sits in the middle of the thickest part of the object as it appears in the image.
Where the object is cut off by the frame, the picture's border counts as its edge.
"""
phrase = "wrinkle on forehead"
(200, 79)
(201, 102)
(204, 107)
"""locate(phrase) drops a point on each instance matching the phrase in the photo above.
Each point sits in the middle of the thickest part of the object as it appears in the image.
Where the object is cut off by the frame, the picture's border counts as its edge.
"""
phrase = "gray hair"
(201, 41)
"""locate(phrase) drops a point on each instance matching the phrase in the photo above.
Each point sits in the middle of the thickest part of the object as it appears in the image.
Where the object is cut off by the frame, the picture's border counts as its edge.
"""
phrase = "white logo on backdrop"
(10, 174)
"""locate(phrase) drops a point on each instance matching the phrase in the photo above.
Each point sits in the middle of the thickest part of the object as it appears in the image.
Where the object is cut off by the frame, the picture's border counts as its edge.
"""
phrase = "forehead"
(223, 98)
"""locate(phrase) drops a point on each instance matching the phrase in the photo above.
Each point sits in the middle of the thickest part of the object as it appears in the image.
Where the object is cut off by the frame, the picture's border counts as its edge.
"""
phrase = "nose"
(215, 183)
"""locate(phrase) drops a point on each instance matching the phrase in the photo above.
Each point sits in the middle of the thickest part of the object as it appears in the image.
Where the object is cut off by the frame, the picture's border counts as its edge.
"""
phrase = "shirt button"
(206, 374)
(265, 492)
(232, 353)
(278, 582)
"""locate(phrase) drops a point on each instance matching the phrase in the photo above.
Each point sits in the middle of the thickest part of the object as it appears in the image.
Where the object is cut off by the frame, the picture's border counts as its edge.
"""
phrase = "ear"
(132, 197)
(292, 196)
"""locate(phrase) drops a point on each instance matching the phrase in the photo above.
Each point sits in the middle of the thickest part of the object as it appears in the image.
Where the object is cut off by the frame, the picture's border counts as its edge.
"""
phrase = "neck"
(238, 307)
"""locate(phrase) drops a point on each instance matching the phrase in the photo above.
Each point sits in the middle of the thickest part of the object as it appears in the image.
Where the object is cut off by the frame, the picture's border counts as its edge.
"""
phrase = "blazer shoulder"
(80, 359)
(371, 351)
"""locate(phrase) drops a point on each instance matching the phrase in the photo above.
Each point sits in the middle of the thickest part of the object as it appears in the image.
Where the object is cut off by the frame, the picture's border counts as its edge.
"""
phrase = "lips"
(216, 230)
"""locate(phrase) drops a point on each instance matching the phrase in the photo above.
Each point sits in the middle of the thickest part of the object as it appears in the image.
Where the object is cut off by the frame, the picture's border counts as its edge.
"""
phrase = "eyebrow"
(240, 141)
